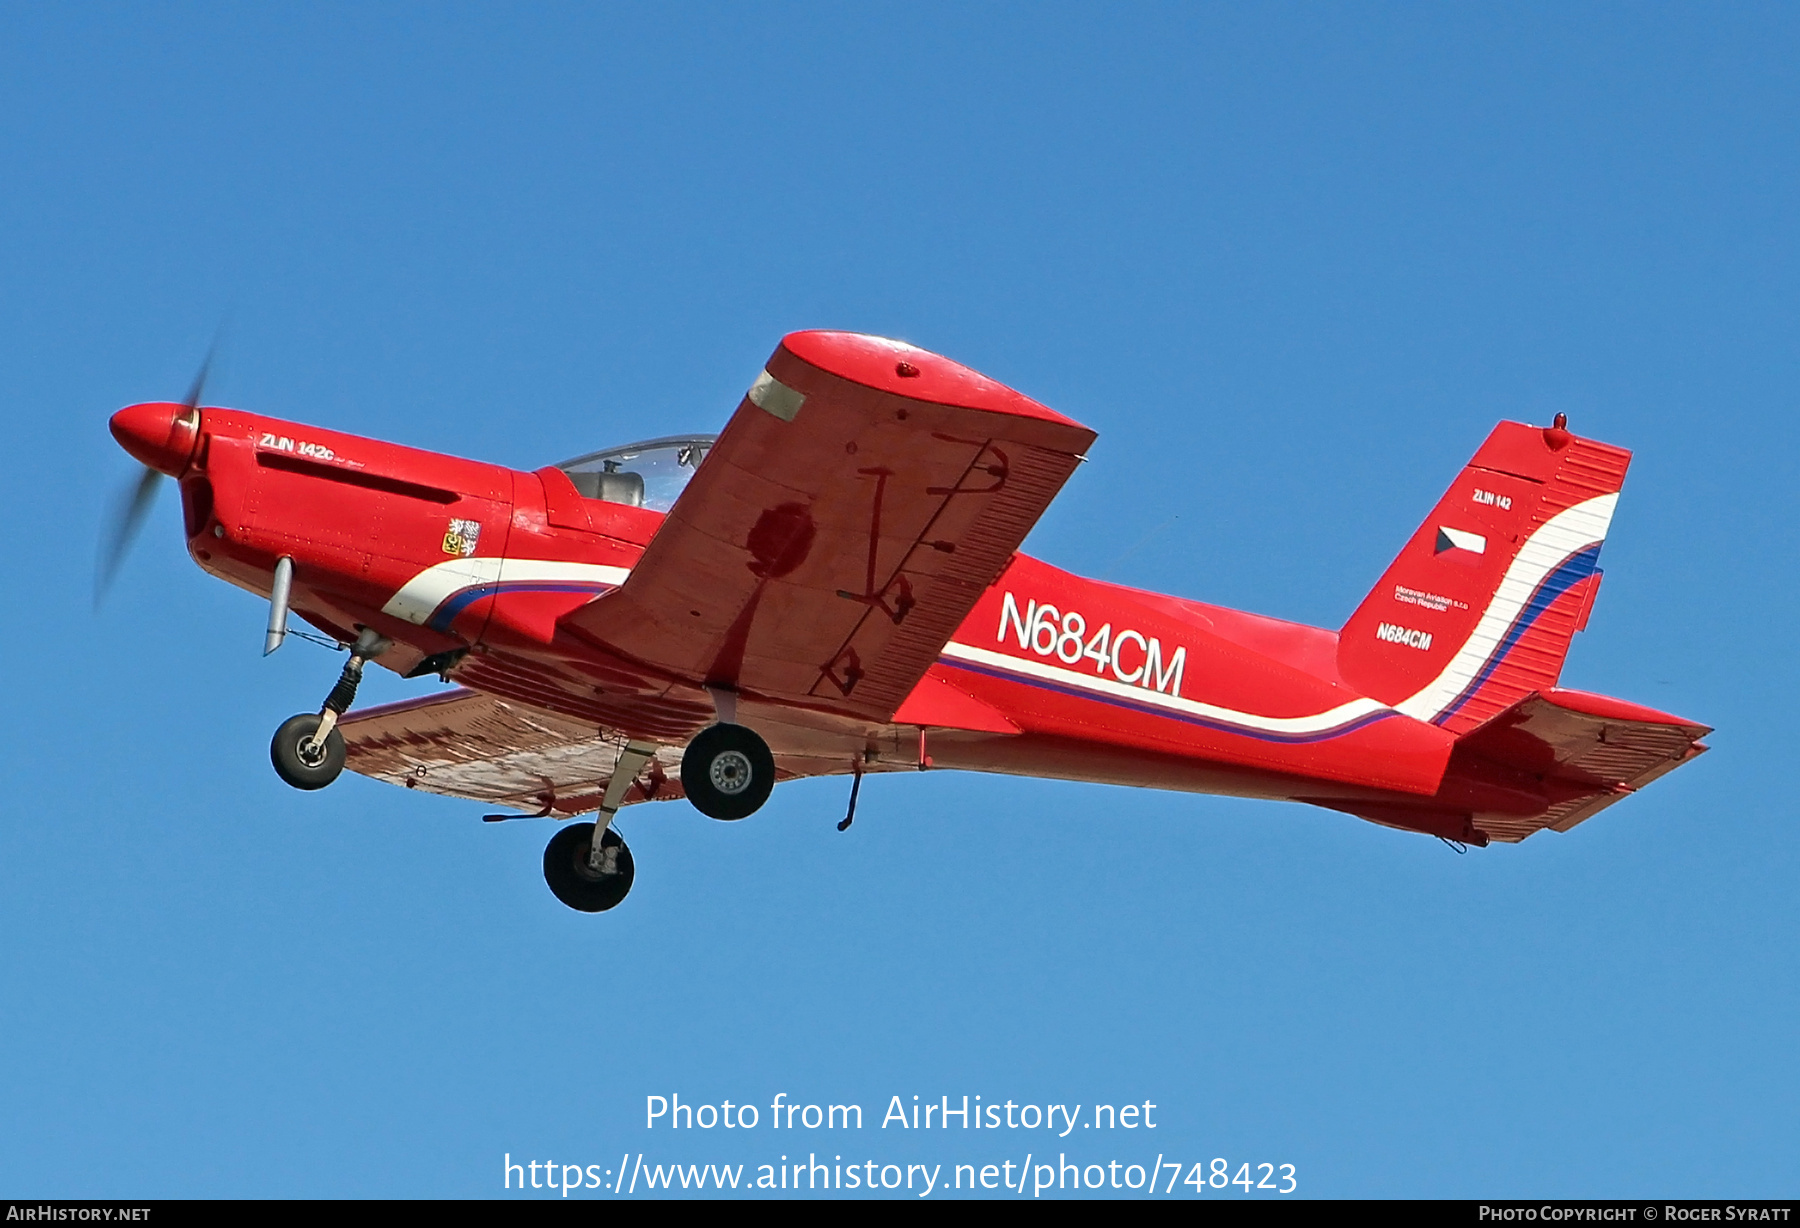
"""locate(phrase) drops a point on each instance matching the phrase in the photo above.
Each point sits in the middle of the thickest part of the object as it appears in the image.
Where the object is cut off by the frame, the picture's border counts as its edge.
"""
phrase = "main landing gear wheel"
(301, 761)
(573, 881)
(727, 772)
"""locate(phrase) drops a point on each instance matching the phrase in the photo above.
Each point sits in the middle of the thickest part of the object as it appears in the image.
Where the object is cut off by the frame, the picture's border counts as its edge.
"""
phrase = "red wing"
(474, 746)
(502, 753)
(861, 499)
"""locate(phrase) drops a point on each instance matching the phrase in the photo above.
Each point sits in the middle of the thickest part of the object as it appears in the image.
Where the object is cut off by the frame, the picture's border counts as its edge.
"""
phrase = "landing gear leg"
(308, 750)
(587, 865)
(626, 767)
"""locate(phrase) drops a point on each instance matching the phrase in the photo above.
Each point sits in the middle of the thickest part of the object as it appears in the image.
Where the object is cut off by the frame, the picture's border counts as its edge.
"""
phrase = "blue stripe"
(1574, 569)
(462, 599)
(1261, 735)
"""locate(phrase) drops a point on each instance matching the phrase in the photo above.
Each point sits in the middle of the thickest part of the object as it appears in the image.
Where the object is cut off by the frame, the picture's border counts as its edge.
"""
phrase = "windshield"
(649, 474)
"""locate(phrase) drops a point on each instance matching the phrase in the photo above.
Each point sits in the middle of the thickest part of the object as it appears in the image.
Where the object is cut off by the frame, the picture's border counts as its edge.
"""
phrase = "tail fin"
(1479, 608)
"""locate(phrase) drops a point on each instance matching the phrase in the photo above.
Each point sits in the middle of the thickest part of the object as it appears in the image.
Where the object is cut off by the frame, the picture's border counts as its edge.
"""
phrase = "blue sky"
(1291, 262)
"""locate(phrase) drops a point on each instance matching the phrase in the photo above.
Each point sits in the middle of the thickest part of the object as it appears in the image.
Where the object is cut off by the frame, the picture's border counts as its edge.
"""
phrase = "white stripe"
(1569, 531)
(419, 598)
(1322, 722)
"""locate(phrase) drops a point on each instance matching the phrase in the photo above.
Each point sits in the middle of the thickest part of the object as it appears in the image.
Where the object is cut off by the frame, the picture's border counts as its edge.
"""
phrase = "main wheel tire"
(573, 882)
(300, 763)
(727, 772)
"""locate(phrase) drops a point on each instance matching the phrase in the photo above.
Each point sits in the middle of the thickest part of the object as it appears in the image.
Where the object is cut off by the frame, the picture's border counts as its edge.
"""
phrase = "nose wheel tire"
(727, 772)
(576, 883)
(299, 760)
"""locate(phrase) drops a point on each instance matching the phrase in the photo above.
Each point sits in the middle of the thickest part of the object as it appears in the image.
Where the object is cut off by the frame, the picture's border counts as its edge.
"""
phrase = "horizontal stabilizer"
(1552, 759)
(1589, 750)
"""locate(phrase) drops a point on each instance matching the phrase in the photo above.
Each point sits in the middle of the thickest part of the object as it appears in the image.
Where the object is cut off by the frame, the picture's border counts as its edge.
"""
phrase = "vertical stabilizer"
(1480, 607)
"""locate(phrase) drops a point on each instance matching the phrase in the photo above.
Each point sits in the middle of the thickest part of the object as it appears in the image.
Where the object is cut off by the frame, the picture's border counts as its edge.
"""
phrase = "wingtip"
(904, 369)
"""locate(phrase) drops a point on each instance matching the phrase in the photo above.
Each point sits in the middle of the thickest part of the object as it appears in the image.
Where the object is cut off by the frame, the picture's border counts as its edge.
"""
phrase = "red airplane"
(833, 586)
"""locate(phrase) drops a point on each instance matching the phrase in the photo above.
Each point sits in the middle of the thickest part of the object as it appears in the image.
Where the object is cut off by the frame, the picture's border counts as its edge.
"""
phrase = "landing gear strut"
(587, 865)
(308, 750)
(727, 771)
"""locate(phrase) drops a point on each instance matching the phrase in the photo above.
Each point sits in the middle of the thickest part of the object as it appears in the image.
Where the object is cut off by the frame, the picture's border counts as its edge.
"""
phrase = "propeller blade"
(198, 388)
(132, 508)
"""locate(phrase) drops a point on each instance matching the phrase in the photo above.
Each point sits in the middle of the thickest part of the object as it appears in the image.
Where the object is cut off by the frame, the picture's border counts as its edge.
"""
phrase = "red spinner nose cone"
(162, 434)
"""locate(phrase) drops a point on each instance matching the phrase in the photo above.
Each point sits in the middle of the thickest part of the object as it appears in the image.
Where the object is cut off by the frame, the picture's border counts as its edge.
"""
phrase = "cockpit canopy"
(649, 474)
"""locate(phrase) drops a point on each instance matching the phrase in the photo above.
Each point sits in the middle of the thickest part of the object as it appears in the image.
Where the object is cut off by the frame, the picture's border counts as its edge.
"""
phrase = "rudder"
(1480, 606)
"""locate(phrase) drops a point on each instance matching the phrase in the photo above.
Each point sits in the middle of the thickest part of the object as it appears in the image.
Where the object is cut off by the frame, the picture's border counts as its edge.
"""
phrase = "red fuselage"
(1069, 677)
(485, 574)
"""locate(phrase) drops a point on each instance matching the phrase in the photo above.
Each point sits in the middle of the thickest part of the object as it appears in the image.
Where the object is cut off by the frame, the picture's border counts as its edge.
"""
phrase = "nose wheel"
(582, 881)
(308, 749)
(727, 771)
(302, 758)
